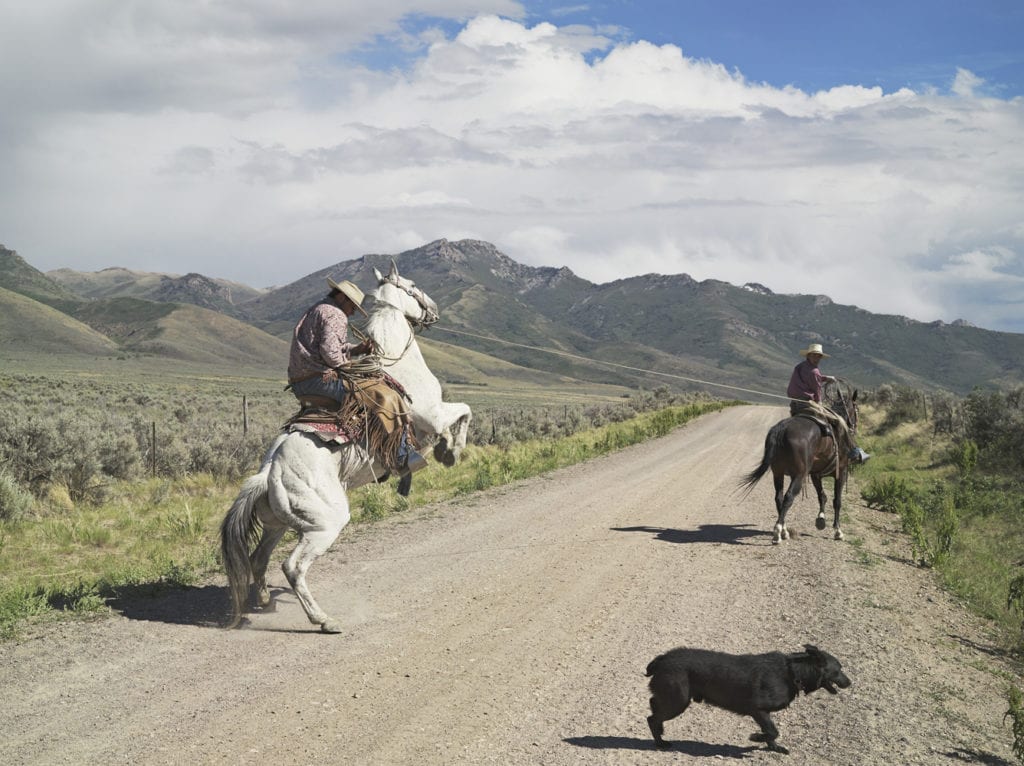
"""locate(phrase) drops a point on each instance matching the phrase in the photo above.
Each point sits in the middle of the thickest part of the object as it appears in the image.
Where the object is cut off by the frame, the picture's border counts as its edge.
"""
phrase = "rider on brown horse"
(805, 387)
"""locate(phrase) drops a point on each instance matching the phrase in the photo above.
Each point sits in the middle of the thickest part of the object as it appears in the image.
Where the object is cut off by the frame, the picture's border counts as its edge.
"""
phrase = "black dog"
(747, 684)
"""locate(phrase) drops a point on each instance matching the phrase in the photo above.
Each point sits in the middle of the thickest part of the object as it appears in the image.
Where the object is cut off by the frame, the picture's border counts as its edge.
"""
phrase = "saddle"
(823, 425)
(373, 412)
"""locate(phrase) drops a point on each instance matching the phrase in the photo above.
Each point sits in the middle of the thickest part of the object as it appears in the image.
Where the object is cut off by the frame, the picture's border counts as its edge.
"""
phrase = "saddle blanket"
(330, 433)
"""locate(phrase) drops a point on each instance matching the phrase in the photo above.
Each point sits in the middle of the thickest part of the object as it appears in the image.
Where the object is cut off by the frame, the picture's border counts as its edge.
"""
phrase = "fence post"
(152, 451)
(245, 415)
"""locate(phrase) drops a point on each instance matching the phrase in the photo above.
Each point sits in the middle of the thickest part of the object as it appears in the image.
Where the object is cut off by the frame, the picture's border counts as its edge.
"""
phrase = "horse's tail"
(239, 532)
(772, 442)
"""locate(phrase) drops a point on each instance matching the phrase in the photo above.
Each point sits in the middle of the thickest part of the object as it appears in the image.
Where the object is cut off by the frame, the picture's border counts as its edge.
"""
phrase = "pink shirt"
(320, 341)
(805, 383)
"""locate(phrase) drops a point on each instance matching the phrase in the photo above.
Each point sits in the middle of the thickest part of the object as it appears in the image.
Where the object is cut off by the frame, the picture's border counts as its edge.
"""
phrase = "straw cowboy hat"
(814, 348)
(350, 291)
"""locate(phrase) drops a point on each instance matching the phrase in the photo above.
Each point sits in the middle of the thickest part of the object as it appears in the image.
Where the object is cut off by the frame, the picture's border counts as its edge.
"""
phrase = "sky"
(872, 152)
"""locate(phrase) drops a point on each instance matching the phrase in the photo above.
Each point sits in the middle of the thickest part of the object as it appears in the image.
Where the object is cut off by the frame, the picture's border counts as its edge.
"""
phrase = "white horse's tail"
(239, 532)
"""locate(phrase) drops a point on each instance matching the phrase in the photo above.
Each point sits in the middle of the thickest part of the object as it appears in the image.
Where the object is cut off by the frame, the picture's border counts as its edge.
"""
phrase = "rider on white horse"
(320, 367)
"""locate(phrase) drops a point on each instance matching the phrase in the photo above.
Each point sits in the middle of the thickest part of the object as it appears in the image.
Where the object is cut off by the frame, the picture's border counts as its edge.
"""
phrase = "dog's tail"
(652, 666)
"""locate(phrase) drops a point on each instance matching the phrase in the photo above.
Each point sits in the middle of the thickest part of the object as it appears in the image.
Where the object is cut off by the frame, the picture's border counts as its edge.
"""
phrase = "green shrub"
(995, 421)
(964, 455)
(902, 405)
(15, 502)
(1015, 599)
(888, 493)
(1016, 715)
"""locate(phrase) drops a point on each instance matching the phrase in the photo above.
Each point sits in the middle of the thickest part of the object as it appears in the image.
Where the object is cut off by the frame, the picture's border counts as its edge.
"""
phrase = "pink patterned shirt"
(805, 383)
(320, 341)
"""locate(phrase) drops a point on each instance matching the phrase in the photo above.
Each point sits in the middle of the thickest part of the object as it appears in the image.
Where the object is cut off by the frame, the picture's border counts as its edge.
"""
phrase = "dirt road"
(513, 627)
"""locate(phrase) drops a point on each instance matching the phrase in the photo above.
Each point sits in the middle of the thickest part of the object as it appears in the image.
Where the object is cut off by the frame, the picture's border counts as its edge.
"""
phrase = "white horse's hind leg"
(306, 493)
(311, 546)
(260, 558)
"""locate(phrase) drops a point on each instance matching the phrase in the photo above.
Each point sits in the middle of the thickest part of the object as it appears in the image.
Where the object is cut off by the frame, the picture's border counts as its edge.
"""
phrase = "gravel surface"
(514, 626)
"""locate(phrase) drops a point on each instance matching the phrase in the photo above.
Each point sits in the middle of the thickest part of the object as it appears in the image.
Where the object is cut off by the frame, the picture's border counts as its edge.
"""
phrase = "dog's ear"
(812, 650)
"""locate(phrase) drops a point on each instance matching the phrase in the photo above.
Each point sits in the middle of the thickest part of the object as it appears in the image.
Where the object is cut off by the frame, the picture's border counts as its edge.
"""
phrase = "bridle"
(849, 412)
(428, 315)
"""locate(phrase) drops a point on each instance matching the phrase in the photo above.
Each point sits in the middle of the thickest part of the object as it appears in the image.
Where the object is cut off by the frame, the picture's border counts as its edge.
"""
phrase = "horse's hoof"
(820, 522)
(405, 485)
(330, 625)
(776, 540)
(839, 534)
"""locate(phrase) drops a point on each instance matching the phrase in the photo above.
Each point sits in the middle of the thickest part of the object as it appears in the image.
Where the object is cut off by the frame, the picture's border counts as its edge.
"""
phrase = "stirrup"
(413, 462)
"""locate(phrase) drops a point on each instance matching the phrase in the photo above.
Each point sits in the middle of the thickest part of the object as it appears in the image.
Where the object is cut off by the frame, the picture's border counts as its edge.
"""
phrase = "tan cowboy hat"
(814, 348)
(350, 291)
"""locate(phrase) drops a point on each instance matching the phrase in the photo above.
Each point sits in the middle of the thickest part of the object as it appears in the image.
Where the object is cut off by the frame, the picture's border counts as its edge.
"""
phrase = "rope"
(612, 364)
(368, 365)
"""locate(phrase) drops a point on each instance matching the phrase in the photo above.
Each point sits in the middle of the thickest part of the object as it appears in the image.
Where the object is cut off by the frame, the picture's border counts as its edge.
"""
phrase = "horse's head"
(846, 407)
(403, 294)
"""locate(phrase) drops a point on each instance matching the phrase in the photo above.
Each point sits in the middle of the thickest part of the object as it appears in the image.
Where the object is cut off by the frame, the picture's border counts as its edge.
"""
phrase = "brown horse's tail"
(238, 533)
(772, 442)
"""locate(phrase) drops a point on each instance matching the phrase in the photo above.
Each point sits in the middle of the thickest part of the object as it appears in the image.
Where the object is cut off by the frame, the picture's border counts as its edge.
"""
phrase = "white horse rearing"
(302, 482)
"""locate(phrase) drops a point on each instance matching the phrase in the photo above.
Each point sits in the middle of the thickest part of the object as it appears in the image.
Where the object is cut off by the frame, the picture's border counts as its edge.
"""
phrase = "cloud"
(259, 148)
(966, 83)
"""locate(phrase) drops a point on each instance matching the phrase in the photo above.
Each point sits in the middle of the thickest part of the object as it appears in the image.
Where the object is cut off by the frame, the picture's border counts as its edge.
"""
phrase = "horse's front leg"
(443, 453)
(451, 438)
(837, 502)
(819, 522)
(460, 432)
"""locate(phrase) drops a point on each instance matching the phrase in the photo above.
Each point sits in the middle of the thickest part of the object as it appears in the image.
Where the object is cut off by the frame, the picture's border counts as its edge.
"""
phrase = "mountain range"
(511, 319)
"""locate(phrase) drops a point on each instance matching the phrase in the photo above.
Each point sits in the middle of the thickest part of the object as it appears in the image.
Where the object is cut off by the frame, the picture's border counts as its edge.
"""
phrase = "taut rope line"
(610, 364)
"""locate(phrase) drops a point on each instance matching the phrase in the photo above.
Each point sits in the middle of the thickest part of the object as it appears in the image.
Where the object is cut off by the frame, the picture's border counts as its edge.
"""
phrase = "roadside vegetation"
(953, 471)
(121, 490)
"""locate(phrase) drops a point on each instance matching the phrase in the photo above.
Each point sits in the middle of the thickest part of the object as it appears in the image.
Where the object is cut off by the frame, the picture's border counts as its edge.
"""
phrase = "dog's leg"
(661, 712)
(769, 733)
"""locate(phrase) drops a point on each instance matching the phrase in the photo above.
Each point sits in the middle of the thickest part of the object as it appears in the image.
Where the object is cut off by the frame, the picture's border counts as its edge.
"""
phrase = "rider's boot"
(858, 455)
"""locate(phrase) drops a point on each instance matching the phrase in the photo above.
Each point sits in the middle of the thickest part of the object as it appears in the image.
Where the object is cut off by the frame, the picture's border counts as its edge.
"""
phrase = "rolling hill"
(39, 317)
(689, 334)
(31, 328)
(708, 331)
(217, 294)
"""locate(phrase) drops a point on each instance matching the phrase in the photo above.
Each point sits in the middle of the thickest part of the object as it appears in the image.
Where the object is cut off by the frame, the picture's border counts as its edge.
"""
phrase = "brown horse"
(799, 447)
